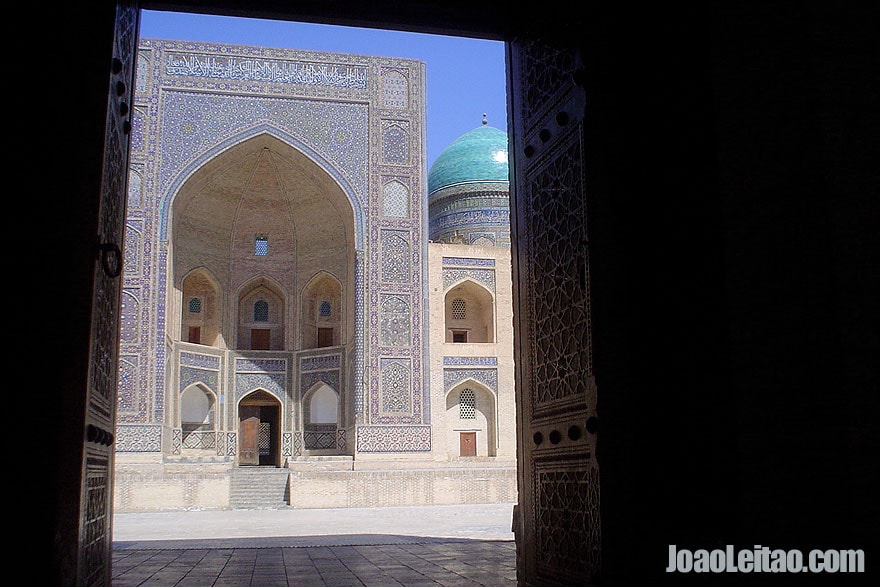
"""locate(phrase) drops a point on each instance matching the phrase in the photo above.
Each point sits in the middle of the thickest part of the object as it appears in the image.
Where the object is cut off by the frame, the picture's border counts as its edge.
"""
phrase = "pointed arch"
(198, 417)
(321, 414)
(201, 308)
(259, 428)
(261, 315)
(263, 131)
(469, 312)
(323, 317)
(471, 414)
(321, 405)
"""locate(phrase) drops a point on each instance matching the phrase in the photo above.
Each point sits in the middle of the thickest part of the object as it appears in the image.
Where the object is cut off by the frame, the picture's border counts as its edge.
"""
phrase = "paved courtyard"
(452, 546)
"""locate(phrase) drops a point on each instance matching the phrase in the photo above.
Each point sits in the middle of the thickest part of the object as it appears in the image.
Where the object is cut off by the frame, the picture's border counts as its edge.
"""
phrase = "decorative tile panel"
(394, 320)
(395, 200)
(200, 361)
(483, 276)
(129, 330)
(395, 89)
(271, 382)
(488, 377)
(396, 386)
(468, 262)
(190, 375)
(470, 361)
(395, 255)
(392, 439)
(395, 142)
(138, 438)
(246, 364)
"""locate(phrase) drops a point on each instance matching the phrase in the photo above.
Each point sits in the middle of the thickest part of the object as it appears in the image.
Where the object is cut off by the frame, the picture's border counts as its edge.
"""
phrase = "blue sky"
(466, 77)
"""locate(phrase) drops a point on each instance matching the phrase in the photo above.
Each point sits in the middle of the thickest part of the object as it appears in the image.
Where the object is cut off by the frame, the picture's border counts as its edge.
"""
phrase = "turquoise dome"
(478, 155)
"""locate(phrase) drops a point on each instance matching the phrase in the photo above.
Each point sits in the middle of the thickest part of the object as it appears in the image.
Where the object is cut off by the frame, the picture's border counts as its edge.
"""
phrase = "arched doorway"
(259, 430)
(471, 420)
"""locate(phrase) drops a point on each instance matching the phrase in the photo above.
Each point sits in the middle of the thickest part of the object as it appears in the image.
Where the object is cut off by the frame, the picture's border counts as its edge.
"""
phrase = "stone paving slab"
(437, 546)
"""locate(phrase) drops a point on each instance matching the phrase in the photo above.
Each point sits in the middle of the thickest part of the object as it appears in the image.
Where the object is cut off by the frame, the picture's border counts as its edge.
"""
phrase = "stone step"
(258, 488)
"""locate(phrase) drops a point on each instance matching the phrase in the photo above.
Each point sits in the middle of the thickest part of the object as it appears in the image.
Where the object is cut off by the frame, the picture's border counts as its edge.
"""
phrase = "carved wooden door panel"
(249, 435)
(558, 530)
(96, 495)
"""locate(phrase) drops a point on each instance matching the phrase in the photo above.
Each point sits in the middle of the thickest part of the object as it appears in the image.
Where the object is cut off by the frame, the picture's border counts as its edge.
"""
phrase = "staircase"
(258, 488)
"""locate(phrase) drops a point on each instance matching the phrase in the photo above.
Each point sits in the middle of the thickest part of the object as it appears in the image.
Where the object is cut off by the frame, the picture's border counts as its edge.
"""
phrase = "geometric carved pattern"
(567, 521)
(319, 439)
(559, 278)
(176, 441)
(547, 70)
(200, 439)
(394, 439)
(286, 442)
(264, 438)
(95, 537)
(139, 438)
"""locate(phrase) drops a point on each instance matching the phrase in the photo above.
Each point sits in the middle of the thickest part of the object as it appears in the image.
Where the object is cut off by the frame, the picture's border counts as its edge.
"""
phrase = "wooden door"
(86, 560)
(468, 444)
(260, 339)
(558, 529)
(325, 337)
(249, 435)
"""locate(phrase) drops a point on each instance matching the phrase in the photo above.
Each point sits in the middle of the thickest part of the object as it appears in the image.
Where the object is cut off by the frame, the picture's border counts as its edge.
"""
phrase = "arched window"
(261, 311)
(195, 306)
(325, 308)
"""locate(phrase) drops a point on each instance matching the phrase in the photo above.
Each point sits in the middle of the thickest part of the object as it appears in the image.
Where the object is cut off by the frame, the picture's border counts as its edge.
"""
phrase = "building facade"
(299, 292)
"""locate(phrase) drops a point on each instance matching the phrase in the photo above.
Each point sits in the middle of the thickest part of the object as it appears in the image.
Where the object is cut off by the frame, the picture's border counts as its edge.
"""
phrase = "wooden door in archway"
(249, 435)
(558, 535)
(259, 430)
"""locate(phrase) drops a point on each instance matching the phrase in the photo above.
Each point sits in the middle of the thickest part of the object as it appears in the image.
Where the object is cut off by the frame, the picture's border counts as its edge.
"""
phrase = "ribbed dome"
(478, 155)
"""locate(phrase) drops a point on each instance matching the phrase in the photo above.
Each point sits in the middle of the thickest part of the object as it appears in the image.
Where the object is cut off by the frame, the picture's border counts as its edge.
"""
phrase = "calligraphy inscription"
(266, 70)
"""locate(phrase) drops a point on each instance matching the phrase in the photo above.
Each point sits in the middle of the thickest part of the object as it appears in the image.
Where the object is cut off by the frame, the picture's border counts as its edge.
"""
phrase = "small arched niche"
(322, 312)
(261, 316)
(200, 311)
(198, 418)
(471, 421)
(469, 313)
(321, 417)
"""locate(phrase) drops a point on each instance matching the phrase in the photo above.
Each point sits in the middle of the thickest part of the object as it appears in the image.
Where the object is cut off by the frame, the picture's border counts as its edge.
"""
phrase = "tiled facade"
(283, 193)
